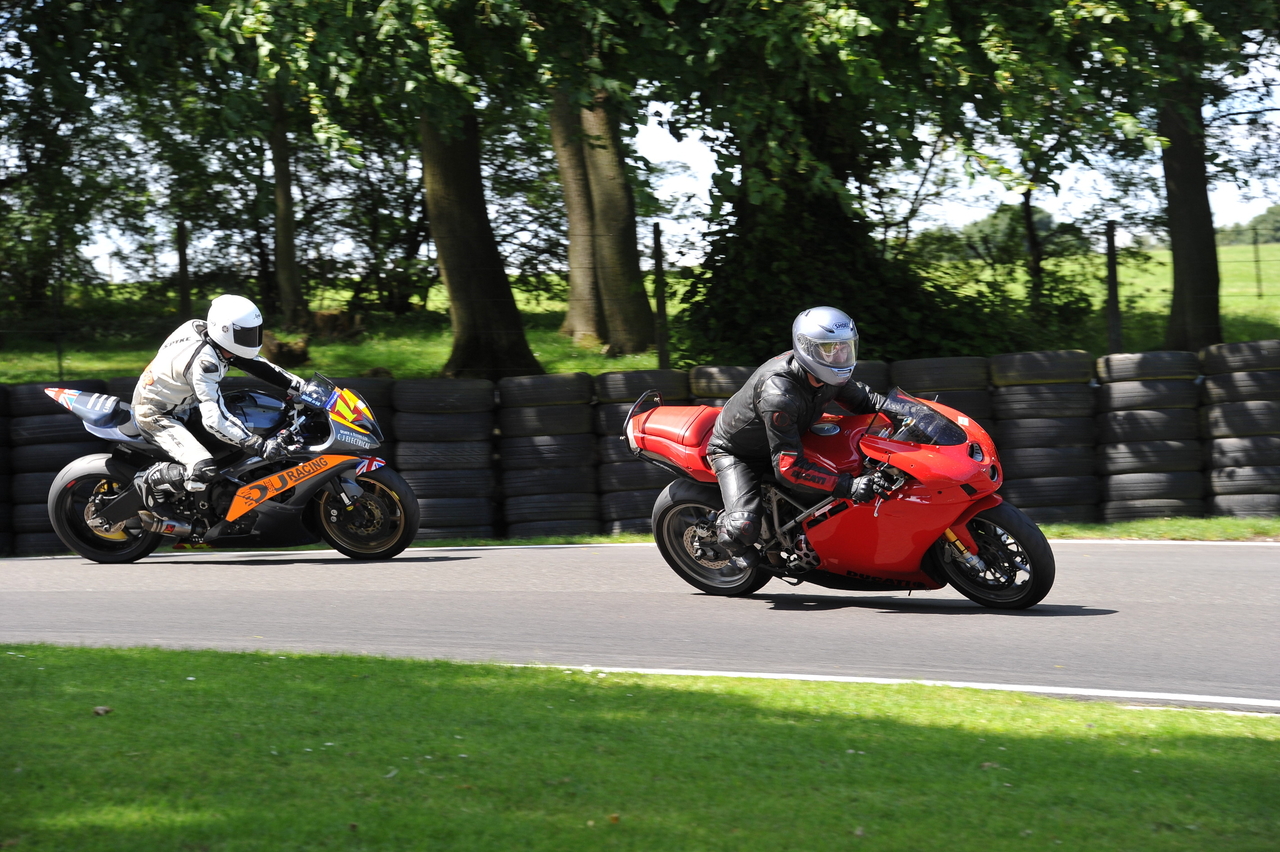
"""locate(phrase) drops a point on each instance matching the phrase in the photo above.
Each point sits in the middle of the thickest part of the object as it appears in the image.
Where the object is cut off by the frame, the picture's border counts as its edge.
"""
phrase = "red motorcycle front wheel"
(1018, 562)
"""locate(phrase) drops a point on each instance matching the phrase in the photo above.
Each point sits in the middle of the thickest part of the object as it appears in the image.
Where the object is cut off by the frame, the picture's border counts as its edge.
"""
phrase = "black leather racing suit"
(760, 427)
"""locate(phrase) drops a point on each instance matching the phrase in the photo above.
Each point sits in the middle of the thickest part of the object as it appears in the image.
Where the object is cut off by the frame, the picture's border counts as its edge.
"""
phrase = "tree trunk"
(627, 313)
(1035, 254)
(184, 276)
(293, 305)
(488, 334)
(584, 319)
(1194, 321)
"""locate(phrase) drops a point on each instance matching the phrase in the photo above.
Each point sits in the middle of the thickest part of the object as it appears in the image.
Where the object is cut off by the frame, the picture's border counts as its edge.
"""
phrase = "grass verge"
(221, 751)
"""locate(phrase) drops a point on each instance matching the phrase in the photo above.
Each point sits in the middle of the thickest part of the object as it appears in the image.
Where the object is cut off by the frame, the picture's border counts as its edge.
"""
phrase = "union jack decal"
(369, 464)
(63, 396)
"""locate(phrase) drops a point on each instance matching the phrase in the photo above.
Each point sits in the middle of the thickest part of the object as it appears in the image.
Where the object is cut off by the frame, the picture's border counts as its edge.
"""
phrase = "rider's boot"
(743, 562)
(160, 483)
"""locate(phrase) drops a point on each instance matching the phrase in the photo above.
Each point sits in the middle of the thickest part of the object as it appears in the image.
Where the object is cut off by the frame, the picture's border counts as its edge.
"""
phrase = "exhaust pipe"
(165, 526)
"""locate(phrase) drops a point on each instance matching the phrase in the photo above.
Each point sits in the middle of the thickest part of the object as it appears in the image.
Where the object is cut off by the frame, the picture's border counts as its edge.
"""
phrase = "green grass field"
(414, 348)
(219, 751)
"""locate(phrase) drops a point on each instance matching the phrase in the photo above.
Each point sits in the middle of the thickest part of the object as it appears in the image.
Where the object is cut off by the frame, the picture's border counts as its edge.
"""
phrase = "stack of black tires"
(1241, 420)
(6, 477)
(714, 385)
(1148, 448)
(629, 486)
(1043, 404)
(961, 383)
(548, 455)
(45, 437)
(444, 452)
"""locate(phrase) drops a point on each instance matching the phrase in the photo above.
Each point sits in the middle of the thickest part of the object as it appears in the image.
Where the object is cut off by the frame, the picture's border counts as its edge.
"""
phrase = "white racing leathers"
(186, 373)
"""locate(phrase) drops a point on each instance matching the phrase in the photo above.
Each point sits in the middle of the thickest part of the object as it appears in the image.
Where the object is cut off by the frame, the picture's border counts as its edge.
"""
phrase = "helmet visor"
(247, 335)
(840, 354)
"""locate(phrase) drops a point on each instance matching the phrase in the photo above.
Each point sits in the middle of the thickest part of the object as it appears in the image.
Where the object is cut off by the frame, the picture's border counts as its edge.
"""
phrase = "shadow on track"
(906, 606)
(292, 559)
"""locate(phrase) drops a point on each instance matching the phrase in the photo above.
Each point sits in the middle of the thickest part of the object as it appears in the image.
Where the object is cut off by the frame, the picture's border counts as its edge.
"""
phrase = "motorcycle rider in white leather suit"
(185, 374)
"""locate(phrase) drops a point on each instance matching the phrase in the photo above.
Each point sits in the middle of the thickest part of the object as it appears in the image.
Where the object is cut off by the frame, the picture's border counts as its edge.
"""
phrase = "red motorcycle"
(941, 521)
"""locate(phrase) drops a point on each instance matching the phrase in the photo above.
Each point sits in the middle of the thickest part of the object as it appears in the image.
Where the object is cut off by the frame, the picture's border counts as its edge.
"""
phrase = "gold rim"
(378, 522)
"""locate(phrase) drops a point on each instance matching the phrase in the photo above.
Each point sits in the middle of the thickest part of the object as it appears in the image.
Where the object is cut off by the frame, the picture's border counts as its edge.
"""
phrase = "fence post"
(1257, 263)
(1115, 333)
(660, 301)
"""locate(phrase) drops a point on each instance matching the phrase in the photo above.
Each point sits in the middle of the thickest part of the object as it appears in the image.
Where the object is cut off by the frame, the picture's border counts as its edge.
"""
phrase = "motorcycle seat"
(683, 425)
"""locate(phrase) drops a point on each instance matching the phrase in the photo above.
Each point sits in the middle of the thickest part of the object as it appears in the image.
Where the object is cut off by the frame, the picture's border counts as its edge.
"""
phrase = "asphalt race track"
(1186, 619)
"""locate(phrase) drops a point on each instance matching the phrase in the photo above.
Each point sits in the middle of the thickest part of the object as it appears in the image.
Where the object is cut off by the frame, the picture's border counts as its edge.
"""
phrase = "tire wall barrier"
(1122, 437)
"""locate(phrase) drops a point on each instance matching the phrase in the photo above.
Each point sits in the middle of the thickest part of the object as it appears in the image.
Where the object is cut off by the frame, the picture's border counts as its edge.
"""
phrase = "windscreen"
(920, 424)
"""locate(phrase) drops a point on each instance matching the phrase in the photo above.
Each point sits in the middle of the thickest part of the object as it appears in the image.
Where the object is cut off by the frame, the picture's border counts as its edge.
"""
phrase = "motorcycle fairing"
(251, 496)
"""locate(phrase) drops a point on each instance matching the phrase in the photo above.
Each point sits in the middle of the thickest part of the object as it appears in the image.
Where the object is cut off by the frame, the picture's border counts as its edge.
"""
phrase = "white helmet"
(235, 324)
(825, 342)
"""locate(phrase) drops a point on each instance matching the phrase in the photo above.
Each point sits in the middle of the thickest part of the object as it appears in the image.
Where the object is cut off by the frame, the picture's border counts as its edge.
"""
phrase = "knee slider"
(738, 531)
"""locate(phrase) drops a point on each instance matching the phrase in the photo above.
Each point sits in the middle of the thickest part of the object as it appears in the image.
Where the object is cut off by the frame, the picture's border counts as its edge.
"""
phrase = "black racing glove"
(860, 489)
(269, 449)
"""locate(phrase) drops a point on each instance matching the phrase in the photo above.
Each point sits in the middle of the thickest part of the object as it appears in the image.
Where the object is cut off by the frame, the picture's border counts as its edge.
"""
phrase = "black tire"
(1032, 462)
(1148, 394)
(718, 382)
(1241, 419)
(710, 401)
(1083, 514)
(544, 420)
(1243, 452)
(693, 554)
(628, 386)
(442, 396)
(438, 533)
(1051, 491)
(95, 478)
(44, 457)
(31, 518)
(1179, 485)
(624, 526)
(919, 375)
(123, 387)
(558, 389)
(1044, 432)
(1060, 366)
(454, 511)
(377, 391)
(613, 449)
(450, 483)
(1175, 424)
(974, 403)
(382, 522)
(1240, 357)
(28, 400)
(629, 504)
(535, 452)
(64, 428)
(548, 480)
(1240, 387)
(1246, 505)
(458, 455)
(32, 487)
(555, 529)
(1019, 563)
(1140, 366)
(6, 517)
(463, 426)
(581, 506)
(5, 424)
(610, 417)
(631, 476)
(6, 489)
(1137, 510)
(38, 544)
(873, 374)
(1256, 479)
(1018, 402)
(1149, 457)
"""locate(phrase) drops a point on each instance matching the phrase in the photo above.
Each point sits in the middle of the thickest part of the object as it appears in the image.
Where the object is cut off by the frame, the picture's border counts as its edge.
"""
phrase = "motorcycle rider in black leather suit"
(761, 426)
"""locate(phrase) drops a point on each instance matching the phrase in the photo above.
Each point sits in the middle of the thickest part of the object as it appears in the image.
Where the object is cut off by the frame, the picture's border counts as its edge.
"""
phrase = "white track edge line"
(955, 684)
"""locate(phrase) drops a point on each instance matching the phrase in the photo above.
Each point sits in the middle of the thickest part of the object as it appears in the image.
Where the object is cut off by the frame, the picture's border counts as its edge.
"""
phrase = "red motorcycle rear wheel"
(685, 535)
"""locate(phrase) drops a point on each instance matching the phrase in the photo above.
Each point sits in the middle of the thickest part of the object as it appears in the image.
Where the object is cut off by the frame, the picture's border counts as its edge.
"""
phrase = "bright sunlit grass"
(206, 750)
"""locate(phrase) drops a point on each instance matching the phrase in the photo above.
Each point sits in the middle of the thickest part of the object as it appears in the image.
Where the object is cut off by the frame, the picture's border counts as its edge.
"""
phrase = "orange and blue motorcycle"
(330, 487)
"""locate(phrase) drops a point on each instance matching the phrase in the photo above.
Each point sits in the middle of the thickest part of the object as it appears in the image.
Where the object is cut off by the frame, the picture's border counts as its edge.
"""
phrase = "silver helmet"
(825, 342)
